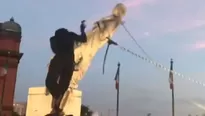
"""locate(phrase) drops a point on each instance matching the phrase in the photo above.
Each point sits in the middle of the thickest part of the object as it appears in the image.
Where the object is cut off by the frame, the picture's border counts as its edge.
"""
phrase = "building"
(20, 108)
(10, 38)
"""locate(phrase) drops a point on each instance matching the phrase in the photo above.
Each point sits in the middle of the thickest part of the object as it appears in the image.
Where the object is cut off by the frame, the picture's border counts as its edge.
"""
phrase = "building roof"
(11, 25)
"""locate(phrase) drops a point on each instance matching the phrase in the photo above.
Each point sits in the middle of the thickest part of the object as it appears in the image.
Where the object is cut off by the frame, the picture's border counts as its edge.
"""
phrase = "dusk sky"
(164, 28)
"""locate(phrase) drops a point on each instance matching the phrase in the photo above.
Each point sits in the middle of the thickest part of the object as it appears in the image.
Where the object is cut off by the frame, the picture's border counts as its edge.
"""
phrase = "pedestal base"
(39, 104)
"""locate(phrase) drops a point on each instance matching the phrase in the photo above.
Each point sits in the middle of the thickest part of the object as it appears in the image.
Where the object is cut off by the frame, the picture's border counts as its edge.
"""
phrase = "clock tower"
(10, 39)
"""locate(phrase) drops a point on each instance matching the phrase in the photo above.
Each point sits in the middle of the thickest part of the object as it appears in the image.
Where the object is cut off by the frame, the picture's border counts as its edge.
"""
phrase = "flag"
(117, 78)
(171, 78)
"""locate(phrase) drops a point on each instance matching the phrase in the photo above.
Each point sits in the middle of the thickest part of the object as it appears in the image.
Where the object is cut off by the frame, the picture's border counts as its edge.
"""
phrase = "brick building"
(10, 38)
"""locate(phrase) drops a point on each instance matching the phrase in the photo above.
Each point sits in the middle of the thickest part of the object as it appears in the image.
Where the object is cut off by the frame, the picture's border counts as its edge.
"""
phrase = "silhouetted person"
(62, 65)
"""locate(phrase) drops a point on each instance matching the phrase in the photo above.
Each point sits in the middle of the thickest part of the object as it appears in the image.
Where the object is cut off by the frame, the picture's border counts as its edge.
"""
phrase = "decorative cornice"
(10, 38)
(10, 35)
(14, 54)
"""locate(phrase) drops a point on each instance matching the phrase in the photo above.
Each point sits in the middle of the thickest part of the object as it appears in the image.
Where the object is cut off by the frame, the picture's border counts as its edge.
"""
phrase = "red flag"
(171, 78)
(116, 84)
(117, 78)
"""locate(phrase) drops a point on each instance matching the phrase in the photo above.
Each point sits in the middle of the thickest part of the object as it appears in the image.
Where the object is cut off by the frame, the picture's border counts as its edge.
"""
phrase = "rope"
(135, 41)
(158, 65)
(148, 59)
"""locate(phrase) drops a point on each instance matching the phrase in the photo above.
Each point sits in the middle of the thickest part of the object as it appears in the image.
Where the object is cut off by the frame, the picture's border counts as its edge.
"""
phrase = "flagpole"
(173, 111)
(118, 91)
(173, 105)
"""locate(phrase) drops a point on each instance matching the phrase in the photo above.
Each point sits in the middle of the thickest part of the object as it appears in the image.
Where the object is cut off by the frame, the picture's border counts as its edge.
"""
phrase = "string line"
(158, 65)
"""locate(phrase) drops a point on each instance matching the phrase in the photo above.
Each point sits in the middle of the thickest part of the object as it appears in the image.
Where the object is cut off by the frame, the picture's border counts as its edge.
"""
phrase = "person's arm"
(79, 38)
(53, 45)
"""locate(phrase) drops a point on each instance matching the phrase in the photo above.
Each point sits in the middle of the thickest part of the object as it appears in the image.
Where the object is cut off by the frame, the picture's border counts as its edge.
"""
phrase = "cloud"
(186, 25)
(127, 3)
(195, 46)
(164, 17)
(199, 45)
(198, 105)
(146, 33)
(135, 3)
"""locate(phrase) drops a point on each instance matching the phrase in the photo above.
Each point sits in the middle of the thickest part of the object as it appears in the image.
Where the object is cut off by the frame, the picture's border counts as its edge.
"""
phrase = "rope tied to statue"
(109, 42)
(148, 60)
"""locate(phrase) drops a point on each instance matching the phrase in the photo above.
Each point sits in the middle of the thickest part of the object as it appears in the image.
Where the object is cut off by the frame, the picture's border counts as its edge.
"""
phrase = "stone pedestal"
(39, 104)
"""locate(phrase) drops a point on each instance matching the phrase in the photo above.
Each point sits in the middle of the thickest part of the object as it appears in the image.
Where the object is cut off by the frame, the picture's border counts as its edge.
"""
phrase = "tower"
(10, 38)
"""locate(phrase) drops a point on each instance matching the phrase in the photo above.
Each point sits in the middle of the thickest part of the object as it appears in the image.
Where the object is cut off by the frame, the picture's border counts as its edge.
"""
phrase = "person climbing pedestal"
(85, 52)
(61, 67)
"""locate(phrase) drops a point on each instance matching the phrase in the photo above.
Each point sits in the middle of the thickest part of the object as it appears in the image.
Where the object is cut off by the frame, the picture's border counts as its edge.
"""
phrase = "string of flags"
(158, 65)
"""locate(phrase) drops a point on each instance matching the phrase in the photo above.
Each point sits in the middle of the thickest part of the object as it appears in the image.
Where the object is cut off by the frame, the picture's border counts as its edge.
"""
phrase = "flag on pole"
(117, 78)
(171, 78)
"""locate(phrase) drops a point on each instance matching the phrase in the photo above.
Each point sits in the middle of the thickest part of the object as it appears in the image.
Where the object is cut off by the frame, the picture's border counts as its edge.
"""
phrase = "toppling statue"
(62, 65)
(97, 38)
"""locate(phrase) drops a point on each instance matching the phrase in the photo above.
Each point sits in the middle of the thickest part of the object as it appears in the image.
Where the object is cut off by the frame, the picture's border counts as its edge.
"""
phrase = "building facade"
(10, 38)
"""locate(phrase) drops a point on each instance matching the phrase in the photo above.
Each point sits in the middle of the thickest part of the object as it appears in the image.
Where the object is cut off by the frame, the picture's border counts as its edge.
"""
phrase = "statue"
(97, 38)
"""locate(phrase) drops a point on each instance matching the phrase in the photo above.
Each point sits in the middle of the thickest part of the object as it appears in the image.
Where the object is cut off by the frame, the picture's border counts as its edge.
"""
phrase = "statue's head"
(62, 32)
(119, 10)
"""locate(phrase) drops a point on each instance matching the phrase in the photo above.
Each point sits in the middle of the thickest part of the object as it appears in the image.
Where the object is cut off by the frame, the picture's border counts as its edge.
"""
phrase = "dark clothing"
(62, 65)
(61, 68)
(64, 44)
